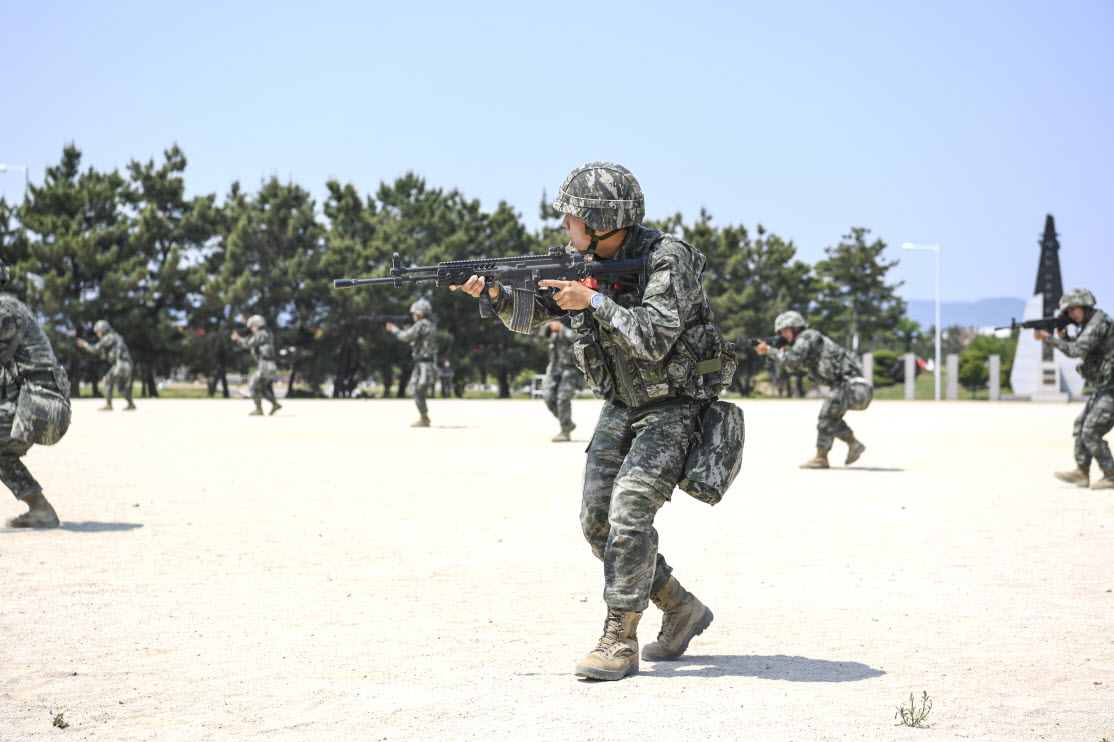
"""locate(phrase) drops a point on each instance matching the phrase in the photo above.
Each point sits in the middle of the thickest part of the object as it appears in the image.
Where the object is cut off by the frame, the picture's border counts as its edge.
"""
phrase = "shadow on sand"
(775, 667)
(92, 526)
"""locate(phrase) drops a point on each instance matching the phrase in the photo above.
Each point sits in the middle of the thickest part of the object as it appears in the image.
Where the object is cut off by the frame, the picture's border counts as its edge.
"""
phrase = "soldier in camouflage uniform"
(422, 336)
(1095, 345)
(111, 345)
(25, 355)
(562, 377)
(830, 364)
(658, 360)
(262, 347)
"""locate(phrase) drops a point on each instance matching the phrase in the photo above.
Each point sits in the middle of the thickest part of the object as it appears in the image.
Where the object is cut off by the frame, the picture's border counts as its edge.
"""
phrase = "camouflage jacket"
(25, 352)
(1095, 345)
(645, 346)
(112, 346)
(422, 336)
(561, 350)
(819, 355)
(261, 345)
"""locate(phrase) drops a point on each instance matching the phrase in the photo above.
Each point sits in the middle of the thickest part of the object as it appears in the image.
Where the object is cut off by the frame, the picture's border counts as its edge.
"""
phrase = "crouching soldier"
(1095, 345)
(34, 405)
(830, 364)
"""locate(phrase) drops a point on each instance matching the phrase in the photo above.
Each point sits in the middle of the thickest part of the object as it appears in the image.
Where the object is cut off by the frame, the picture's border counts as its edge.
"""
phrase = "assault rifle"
(775, 341)
(395, 319)
(1048, 324)
(521, 273)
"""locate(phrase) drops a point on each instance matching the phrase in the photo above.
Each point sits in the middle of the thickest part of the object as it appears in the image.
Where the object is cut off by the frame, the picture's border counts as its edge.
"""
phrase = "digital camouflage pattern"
(262, 347)
(828, 363)
(562, 377)
(788, 319)
(603, 195)
(635, 460)
(422, 336)
(1095, 345)
(421, 306)
(717, 455)
(1076, 298)
(113, 347)
(639, 348)
(658, 359)
(25, 357)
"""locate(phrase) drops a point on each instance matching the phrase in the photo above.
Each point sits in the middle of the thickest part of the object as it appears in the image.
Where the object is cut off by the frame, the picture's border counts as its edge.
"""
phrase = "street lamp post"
(936, 249)
(26, 176)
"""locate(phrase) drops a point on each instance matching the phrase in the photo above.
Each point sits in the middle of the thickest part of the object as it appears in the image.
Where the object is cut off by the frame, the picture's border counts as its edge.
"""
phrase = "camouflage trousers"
(635, 459)
(1093, 423)
(261, 384)
(422, 380)
(13, 473)
(848, 394)
(118, 377)
(558, 389)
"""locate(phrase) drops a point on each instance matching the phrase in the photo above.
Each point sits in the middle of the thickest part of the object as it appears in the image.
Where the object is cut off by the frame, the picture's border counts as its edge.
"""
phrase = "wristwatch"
(596, 302)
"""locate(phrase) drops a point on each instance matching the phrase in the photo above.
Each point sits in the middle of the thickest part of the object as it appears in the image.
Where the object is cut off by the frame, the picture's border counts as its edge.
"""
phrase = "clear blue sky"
(958, 123)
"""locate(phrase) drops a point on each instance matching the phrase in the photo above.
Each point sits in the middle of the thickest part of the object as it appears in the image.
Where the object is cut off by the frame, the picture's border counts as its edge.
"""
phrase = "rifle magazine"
(523, 310)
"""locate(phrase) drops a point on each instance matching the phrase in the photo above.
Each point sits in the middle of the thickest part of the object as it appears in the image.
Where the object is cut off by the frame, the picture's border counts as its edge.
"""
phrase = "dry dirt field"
(332, 574)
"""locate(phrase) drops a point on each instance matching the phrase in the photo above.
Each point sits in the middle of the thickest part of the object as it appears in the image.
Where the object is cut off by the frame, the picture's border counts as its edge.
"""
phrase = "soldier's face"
(576, 232)
(1075, 314)
(554, 326)
(100, 333)
(788, 333)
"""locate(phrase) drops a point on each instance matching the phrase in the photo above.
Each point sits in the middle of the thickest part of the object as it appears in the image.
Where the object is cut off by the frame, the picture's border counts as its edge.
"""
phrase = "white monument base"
(1048, 384)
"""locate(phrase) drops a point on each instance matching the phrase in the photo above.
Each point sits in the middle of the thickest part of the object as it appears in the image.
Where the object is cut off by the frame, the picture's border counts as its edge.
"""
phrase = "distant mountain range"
(981, 313)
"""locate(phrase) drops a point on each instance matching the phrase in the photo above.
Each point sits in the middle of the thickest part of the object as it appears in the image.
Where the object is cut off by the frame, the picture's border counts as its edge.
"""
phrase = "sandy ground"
(332, 574)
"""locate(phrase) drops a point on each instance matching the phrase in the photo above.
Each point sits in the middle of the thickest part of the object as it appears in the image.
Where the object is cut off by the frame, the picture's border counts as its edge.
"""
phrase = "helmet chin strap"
(596, 239)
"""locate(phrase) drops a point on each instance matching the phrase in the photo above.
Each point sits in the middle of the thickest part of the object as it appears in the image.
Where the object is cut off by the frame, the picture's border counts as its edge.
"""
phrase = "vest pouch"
(715, 460)
(859, 393)
(42, 415)
(589, 360)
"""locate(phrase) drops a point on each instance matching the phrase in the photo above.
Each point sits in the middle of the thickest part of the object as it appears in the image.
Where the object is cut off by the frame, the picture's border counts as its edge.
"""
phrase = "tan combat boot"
(39, 514)
(819, 462)
(275, 407)
(106, 407)
(131, 406)
(1106, 483)
(257, 411)
(616, 655)
(1078, 477)
(855, 449)
(685, 617)
(562, 437)
(421, 422)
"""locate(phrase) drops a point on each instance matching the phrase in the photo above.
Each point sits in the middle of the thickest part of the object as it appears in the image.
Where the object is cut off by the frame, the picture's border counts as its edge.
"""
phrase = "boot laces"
(610, 642)
(669, 622)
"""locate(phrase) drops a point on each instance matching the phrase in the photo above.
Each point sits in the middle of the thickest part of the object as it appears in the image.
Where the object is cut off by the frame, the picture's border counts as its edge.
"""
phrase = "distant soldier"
(262, 347)
(445, 373)
(831, 364)
(26, 356)
(422, 336)
(562, 377)
(111, 345)
(1095, 345)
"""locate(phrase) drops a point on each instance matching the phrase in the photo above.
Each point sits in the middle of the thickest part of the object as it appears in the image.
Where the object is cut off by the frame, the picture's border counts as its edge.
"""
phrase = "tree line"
(176, 274)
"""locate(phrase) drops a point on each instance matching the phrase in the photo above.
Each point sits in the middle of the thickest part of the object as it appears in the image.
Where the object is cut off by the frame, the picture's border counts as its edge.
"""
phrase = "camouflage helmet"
(603, 195)
(102, 325)
(5, 273)
(788, 319)
(1076, 298)
(421, 306)
(256, 320)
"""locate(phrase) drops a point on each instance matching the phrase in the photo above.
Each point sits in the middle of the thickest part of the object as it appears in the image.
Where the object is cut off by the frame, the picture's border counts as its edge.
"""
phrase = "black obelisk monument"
(1048, 270)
